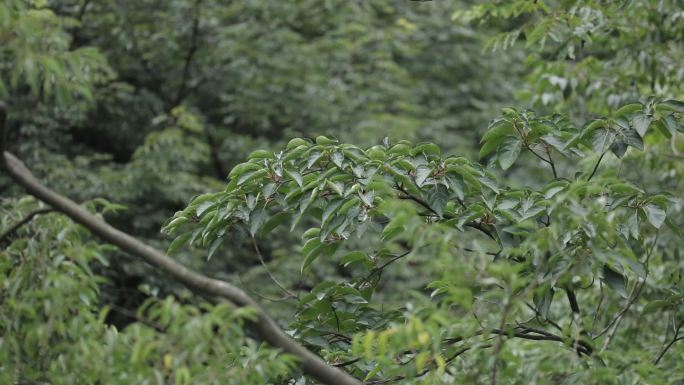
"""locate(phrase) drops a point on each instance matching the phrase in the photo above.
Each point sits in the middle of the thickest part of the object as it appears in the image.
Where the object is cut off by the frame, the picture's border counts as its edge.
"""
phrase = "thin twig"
(347, 363)
(427, 370)
(553, 165)
(596, 167)
(378, 270)
(135, 316)
(635, 294)
(669, 344)
(474, 225)
(500, 341)
(270, 275)
(549, 161)
(262, 296)
(545, 320)
(22, 222)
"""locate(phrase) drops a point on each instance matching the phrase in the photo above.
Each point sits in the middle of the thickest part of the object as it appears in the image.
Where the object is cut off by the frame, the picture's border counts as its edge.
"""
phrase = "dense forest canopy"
(341, 192)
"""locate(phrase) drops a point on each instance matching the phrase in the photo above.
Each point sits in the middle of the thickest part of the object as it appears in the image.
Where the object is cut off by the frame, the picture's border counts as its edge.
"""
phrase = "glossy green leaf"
(656, 215)
(508, 152)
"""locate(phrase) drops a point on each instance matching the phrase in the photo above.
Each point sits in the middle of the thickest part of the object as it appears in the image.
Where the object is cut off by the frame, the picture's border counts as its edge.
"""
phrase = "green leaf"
(633, 225)
(615, 280)
(400, 149)
(426, 148)
(353, 257)
(671, 123)
(456, 184)
(489, 146)
(376, 369)
(498, 129)
(324, 140)
(312, 248)
(178, 242)
(509, 151)
(422, 174)
(663, 128)
(313, 158)
(632, 138)
(553, 188)
(490, 183)
(274, 222)
(671, 105)
(260, 154)
(337, 159)
(297, 177)
(329, 210)
(214, 246)
(654, 306)
(243, 168)
(619, 148)
(629, 108)
(674, 227)
(250, 176)
(377, 153)
(641, 123)
(367, 197)
(394, 227)
(591, 127)
(601, 140)
(656, 215)
(437, 198)
(305, 205)
(336, 187)
(296, 142)
(543, 301)
(256, 220)
(311, 233)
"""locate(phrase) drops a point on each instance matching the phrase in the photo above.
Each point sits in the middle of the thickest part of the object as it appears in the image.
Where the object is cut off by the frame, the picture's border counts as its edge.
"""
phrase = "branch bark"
(264, 325)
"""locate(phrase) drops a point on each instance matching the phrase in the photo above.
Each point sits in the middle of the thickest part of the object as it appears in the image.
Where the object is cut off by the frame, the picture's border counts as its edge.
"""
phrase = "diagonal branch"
(669, 344)
(212, 288)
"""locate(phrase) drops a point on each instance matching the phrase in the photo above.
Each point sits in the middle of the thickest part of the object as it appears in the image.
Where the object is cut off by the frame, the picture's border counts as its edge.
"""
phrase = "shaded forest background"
(135, 107)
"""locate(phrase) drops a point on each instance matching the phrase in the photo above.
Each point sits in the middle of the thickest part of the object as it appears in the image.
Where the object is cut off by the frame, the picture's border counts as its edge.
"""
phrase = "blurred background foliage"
(145, 104)
(163, 98)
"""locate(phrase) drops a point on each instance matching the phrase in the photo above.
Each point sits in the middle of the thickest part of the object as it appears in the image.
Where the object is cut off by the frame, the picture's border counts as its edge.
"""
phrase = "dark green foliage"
(547, 250)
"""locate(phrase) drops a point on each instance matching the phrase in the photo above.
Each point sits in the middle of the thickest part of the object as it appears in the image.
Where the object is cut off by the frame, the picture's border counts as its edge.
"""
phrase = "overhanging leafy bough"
(572, 226)
(582, 225)
(347, 190)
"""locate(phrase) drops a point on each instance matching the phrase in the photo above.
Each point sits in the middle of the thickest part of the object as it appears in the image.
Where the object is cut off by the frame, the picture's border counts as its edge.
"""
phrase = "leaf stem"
(596, 167)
